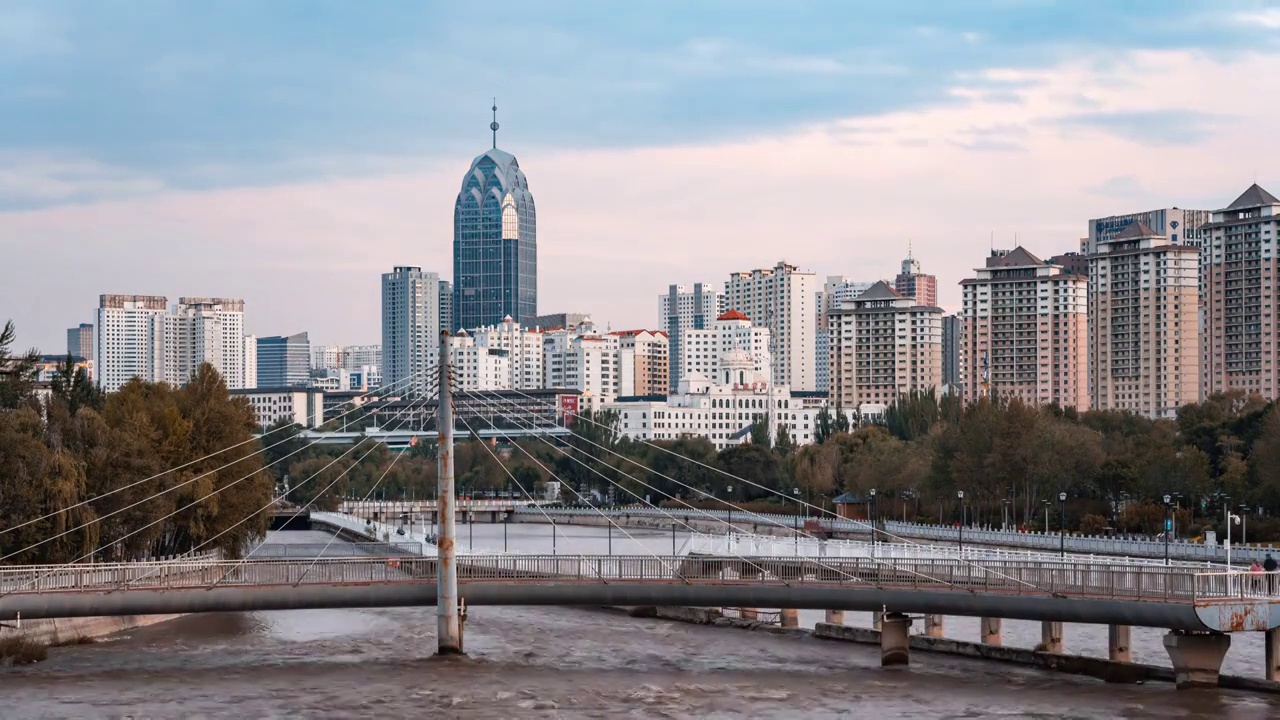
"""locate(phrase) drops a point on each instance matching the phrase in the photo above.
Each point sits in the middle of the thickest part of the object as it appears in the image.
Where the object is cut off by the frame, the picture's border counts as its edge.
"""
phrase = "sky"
(290, 152)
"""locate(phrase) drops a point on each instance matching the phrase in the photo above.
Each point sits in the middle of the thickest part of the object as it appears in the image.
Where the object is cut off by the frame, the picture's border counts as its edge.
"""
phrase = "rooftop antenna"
(494, 125)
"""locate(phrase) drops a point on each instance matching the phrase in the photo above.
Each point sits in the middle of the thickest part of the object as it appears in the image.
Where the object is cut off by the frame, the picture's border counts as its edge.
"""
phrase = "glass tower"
(495, 249)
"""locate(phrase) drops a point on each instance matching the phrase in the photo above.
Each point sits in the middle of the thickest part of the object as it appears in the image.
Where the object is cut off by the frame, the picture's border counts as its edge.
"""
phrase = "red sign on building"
(568, 407)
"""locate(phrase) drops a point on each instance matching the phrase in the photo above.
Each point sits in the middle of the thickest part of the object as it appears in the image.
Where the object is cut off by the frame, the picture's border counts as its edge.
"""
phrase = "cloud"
(1150, 127)
(28, 180)
(1268, 18)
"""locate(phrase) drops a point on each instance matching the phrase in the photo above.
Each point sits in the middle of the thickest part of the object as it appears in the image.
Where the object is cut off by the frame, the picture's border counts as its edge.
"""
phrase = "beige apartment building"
(883, 345)
(1024, 332)
(643, 362)
(1238, 273)
(1144, 333)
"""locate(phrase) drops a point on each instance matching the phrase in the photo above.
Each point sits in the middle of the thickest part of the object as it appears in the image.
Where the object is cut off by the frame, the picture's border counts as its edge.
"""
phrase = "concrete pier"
(933, 626)
(789, 618)
(895, 639)
(1118, 643)
(991, 632)
(1272, 671)
(1050, 637)
(1197, 657)
(875, 619)
(835, 617)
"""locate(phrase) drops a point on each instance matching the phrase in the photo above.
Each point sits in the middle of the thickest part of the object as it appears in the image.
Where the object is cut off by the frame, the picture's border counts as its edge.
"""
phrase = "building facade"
(355, 356)
(686, 307)
(80, 343)
(951, 332)
(1144, 329)
(130, 329)
(1240, 318)
(837, 289)
(884, 344)
(250, 362)
(558, 320)
(411, 324)
(284, 361)
(326, 357)
(477, 366)
(204, 330)
(297, 405)
(1180, 227)
(495, 249)
(643, 357)
(732, 332)
(912, 283)
(781, 299)
(1024, 332)
(522, 346)
(582, 359)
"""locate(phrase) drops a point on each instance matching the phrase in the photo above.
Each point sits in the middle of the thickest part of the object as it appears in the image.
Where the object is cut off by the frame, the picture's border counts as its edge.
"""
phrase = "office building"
(951, 332)
(284, 361)
(130, 330)
(1144, 331)
(912, 283)
(883, 344)
(495, 249)
(1178, 226)
(410, 329)
(781, 299)
(686, 307)
(80, 343)
(642, 362)
(1025, 332)
(1239, 294)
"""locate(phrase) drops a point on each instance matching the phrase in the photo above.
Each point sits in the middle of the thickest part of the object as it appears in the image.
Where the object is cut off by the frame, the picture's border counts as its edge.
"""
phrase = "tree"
(824, 426)
(17, 372)
(784, 445)
(760, 432)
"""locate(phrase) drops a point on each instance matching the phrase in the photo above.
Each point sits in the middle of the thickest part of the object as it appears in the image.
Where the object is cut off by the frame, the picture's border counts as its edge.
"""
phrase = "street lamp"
(728, 499)
(1168, 526)
(1062, 531)
(872, 515)
(799, 510)
(960, 496)
(1231, 518)
(1244, 523)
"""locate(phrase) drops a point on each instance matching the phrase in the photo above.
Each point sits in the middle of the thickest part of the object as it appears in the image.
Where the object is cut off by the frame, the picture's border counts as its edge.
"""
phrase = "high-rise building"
(582, 359)
(731, 333)
(130, 331)
(284, 361)
(951, 332)
(477, 366)
(912, 283)
(1073, 263)
(781, 299)
(551, 321)
(326, 357)
(884, 344)
(838, 289)
(204, 330)
(1144, 330)
(80, 344)
(495, 249)
(1025, 332)
(250, 362)
(446, 306)
(522, 345)
(642, 362)
(1240, 319)
(686, 307)
(410, 328)
(1180, 227)
(358, 356)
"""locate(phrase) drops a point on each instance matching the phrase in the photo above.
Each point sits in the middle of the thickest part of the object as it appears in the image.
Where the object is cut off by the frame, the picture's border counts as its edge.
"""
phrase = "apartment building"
(781, 299)
(643, 357)
(130, 331)
(884, 344)
(686, 307)
(705, 350)
(584, 359)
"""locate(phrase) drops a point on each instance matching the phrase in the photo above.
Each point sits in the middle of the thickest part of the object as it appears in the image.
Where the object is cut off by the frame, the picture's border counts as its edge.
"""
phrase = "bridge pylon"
(448, 623)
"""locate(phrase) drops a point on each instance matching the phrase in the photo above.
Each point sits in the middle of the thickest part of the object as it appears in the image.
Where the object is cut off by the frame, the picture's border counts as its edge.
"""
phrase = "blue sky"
(106, 101)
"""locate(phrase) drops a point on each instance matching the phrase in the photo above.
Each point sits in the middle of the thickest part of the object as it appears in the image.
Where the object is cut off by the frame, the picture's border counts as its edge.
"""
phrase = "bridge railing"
(1244, 585)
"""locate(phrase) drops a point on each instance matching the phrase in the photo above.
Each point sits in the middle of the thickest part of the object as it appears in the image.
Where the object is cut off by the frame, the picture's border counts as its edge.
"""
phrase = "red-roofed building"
(732, 331)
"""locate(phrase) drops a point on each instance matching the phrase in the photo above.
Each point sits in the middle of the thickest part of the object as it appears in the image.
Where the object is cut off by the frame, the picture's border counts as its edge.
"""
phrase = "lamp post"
(1062, 531)
(1168, 526)
(1046, 517)
(728, 499)
(1244, 524)
(960, 496)
(872, 515)
(799, 510)
(1231, 518)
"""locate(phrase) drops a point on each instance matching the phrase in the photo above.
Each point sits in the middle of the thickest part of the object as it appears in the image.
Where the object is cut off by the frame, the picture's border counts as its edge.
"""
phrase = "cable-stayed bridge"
(1199, 605)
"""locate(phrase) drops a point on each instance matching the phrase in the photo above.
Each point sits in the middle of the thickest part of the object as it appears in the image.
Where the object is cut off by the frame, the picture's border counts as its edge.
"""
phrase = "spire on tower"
(494, 125)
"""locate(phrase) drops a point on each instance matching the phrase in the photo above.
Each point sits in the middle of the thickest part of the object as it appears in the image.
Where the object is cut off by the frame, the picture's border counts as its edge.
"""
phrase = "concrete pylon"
(991, 634)
(448, 627)
(1050, 637)
(1118, 643)
(835, 617)
(1272, 671)
(1196, 657)
(933, 626)
(895, 640)
(789, 618)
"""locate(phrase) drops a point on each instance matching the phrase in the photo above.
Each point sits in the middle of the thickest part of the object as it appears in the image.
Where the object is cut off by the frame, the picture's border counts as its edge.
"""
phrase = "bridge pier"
(749, 613)
(933, 626)
(1118, 643)
(835, 617)
(1197, 657)
(990, 632)
(875, 619)
(1050, 637)
(1272, 642)
(789, 618)
(895, 639)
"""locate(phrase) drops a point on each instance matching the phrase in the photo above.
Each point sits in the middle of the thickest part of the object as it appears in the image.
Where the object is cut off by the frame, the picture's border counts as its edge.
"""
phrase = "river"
(554, 663)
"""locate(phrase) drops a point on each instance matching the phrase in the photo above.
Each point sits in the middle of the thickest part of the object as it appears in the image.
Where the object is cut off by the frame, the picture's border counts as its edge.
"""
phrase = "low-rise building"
(301, 406)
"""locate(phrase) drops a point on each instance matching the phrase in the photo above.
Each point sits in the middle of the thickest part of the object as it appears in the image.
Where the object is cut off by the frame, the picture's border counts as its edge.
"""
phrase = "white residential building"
(522, 346)
(130, 329)
(411, 316)
(476, 366)
(301, 406)
(781, 298)
(326, 357)
(687, 307)
(582, 359)
(250, 362)
(358, 356)
(204, 330)
(731, 332)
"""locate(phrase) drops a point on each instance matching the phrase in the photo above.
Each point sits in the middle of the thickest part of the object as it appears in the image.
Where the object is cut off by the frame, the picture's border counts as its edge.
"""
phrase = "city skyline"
(1004, 146)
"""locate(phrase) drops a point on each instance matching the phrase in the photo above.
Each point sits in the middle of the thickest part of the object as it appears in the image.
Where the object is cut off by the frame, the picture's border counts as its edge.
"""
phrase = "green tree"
(17, 372)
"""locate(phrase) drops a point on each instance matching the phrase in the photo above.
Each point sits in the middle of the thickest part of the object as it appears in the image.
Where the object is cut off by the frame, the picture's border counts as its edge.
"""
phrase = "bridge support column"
(1050, 637)
(749, 613)
(875, 619)
(1118, 643)
(991, 632)
(789, 618)
(1272, 641)
(835, 617)
(895, 639)
(1197, 657)
(933, 626)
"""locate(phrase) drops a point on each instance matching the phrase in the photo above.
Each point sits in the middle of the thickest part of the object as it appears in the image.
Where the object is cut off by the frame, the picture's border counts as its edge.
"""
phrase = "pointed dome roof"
(1255, 196)
(733, 315)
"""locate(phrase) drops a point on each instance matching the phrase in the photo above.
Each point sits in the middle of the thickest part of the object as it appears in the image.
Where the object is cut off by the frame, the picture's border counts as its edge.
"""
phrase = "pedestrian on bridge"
(1269, 565)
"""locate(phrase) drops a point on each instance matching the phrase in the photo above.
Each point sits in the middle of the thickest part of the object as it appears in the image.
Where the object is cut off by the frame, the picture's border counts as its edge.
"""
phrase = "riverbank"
(1102, 669)
(27, 641)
